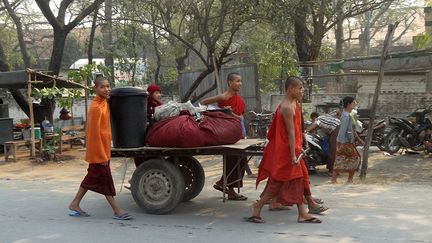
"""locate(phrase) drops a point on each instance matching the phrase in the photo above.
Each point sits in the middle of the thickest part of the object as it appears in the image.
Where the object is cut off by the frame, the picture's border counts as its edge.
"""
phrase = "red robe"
(236, 103)
(238, 107)
(287, 181)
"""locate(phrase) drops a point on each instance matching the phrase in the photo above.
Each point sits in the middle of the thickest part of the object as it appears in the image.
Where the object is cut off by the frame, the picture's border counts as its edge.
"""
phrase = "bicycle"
(259, 124)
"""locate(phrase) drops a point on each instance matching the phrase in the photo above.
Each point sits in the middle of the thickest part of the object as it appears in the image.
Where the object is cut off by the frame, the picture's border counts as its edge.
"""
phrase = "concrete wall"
(394, 83)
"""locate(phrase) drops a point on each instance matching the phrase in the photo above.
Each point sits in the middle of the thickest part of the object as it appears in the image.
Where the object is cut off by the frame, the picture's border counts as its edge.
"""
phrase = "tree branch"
(88, 10)
(46, 11)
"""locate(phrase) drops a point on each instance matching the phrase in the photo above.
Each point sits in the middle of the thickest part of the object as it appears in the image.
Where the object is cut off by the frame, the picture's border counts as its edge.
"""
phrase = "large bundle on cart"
(186, 130)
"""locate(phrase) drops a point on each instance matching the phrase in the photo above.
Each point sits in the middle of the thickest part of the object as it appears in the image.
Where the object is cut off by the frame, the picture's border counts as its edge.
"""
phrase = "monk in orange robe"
(232, 99)
(98, 154)
(286, 173)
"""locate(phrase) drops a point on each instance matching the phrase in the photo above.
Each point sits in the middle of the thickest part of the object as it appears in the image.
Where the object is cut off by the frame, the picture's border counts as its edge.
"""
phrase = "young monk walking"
(231, 98)
(98, 154)
(280, 164)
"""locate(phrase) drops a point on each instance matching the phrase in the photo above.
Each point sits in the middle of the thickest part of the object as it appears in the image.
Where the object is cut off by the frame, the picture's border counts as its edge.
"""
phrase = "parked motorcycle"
(377, 135)
(316, 155)
(402, 133)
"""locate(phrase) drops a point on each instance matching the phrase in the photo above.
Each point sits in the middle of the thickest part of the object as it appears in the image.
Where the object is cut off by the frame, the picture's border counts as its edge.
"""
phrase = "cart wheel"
(157, 186)
(193, 175)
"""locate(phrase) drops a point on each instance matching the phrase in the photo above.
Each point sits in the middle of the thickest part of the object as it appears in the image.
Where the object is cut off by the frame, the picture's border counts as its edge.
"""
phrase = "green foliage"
(64, 96)
(85, 74)
(422, 41)
(274, 54)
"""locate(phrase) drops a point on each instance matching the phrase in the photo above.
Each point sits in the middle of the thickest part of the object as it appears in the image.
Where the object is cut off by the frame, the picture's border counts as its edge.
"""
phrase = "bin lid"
(128, 91)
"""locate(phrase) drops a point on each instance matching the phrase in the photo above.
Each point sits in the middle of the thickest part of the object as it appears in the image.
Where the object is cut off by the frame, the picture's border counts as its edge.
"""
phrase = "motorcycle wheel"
(392, 142)
(382, 147)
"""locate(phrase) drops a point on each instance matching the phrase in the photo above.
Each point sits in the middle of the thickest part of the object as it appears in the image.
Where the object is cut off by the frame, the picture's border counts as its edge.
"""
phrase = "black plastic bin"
(128, 117)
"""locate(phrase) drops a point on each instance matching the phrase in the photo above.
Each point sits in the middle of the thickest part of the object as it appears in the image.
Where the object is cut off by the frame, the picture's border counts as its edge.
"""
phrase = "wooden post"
(30, 103)
(384, 57)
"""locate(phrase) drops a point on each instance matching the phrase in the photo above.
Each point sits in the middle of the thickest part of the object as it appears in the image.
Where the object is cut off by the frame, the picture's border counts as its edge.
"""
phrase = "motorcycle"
(377, 135)
(316, 154)
(406, 134)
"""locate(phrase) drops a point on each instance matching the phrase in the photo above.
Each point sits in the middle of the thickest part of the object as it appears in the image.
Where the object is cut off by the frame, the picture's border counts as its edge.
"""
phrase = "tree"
(214, 23)
(60, 28)
(313, 19)
(371, 23)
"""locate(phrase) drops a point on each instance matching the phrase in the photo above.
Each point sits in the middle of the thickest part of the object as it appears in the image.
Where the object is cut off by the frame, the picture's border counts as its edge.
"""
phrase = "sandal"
(124, 216)
(219, 188)
(312, 220)
(318, 210)
(254, 219)
(318, 200)
(238, 197)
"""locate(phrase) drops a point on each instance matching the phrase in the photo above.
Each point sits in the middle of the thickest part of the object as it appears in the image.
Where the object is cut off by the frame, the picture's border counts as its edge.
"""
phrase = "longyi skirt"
(99, 179)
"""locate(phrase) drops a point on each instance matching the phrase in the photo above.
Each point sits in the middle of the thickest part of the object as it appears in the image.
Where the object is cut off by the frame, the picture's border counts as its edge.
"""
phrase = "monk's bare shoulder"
(286, 109)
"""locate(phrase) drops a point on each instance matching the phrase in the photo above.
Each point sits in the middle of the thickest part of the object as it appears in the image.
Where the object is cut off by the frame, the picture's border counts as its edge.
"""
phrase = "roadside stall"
(29, 79)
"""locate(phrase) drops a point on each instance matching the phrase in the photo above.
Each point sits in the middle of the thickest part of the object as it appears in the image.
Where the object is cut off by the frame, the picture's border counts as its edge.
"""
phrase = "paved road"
(35, 211)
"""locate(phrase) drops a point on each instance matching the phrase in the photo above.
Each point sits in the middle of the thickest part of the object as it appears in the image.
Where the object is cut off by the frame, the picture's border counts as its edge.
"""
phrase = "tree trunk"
(300, 34)
(91, 39)
(57, 51)
(107, 40)
(339, 36)
(17, 21)
(181, 61)
(158, 57)
(196, 83)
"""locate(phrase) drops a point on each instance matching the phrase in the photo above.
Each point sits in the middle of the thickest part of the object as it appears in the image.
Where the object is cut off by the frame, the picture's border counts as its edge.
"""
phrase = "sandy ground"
(383, 168)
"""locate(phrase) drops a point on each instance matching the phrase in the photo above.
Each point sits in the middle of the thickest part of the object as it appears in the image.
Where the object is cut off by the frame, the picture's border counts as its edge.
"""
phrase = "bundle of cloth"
(208, 128)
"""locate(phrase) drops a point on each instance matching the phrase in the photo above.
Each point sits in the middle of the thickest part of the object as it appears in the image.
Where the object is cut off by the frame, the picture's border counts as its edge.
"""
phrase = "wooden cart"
(168, 176)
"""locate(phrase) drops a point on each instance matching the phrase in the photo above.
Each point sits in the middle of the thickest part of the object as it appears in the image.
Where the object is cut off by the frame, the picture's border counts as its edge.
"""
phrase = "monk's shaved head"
(99, 78)
(292, 82)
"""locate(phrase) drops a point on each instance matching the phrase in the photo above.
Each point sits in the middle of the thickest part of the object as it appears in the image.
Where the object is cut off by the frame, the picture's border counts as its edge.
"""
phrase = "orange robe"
(98, 132)
(236, 103)
(287, 181)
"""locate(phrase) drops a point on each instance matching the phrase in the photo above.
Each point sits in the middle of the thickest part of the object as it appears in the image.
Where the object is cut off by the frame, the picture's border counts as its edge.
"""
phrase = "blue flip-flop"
(75, 213)
(124, 216)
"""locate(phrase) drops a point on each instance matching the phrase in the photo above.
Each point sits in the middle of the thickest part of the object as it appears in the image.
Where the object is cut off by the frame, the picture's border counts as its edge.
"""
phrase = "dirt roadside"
(383, 168)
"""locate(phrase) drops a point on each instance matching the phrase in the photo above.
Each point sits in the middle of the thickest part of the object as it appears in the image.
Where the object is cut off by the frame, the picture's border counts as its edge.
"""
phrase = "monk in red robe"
(286, 173)
(98, 154)
(153, 100)
(233, 100)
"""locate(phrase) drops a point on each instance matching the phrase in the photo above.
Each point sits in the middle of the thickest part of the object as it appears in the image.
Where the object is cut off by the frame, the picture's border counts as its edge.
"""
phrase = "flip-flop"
(318, 200)
(238, 197)
(124, 216)
(74, 213)
(318, 210)
(254, 219)
(280, 208)
(312, 220)
(219, 188)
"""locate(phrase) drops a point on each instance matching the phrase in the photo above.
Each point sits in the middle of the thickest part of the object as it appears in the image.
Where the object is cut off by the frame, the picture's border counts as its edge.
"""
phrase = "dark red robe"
(286, 181)
(236, 103)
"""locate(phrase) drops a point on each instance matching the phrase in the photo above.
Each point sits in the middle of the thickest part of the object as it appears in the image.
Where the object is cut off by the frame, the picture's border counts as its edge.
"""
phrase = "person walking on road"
(98, 154)
(347, 156)
(281, 164)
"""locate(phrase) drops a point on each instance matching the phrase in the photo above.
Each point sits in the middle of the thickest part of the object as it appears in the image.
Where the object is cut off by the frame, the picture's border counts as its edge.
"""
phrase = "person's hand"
(294, 160)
